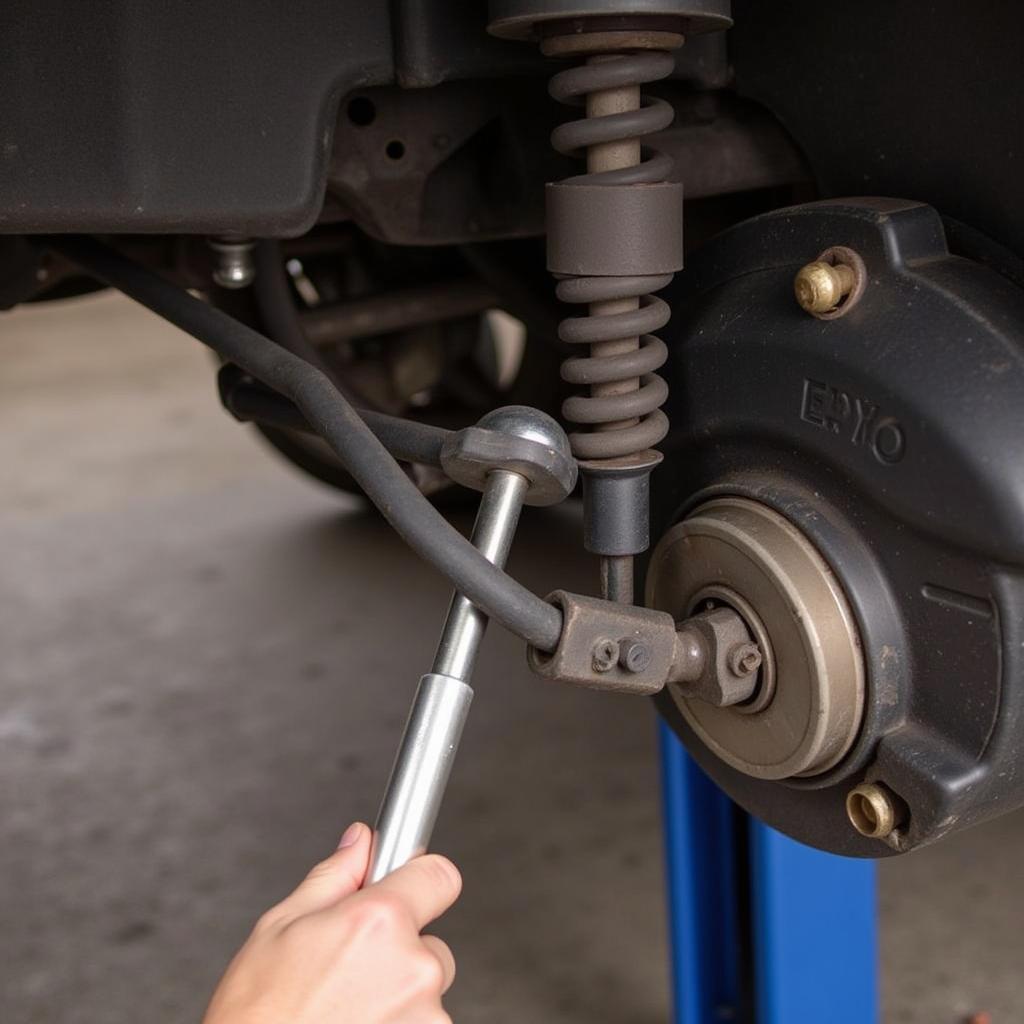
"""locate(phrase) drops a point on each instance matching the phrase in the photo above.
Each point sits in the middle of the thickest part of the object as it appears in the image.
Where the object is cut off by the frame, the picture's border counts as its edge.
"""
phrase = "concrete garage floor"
(206, 661)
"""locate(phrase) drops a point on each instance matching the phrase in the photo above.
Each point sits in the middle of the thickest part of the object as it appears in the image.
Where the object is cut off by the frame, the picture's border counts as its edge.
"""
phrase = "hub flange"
(811, 714)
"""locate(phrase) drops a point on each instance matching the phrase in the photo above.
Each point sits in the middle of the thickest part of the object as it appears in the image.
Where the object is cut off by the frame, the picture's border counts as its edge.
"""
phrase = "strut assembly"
(614, 237)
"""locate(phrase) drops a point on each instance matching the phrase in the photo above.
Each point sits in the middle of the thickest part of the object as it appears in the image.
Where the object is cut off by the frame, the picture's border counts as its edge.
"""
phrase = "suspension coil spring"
(622, 409)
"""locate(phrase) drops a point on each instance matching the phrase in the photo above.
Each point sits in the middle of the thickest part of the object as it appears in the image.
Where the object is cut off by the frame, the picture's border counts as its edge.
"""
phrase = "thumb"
(332, 879)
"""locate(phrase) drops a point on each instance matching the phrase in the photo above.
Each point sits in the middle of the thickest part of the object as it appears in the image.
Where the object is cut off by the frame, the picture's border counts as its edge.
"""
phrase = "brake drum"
(850, 479)
(804, 716)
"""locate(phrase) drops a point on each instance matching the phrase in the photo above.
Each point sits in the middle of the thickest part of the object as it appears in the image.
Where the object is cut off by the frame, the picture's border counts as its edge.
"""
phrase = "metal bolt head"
(872, 810)
(634, 654)
(744, 659)
(820, 287)
(234, 266)
(605, 655)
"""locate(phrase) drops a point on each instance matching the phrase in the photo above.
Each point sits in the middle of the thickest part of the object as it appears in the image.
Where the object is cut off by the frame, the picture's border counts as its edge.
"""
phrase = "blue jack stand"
(764, 930)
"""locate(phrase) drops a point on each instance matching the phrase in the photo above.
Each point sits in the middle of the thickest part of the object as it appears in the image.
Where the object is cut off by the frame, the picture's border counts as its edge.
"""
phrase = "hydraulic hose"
(415, 520)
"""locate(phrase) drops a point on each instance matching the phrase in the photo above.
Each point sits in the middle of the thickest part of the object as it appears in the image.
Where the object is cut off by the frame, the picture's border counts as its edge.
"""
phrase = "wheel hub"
(809, 704)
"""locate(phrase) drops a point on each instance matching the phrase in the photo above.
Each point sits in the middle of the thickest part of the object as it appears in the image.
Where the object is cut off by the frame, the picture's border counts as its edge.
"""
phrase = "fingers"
(427, 885)
(332, 879)
(444, 955)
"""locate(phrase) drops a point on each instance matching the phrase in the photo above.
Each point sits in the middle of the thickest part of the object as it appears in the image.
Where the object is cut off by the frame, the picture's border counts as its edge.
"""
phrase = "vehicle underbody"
(795, 425)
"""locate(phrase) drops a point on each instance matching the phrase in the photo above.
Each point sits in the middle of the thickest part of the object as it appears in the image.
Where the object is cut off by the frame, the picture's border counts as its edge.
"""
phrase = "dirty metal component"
(451, 370)
(719, 596)
(830, 286)
(234, 266)
(523, 19)
(614, 237)
(689, 655)
(397, 310)
(425, 755)
(518, 439)
(618, 577)
(635, 655)
(815, 713)
(605, 655)
(615, 503)
(725, 678)
(744, 659)
(590, 649)
(872, 810)
(598, 231)
(890, 439)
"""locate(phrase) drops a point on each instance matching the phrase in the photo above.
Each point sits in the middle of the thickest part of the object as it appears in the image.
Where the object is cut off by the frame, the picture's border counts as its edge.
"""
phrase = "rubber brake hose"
(381, 478)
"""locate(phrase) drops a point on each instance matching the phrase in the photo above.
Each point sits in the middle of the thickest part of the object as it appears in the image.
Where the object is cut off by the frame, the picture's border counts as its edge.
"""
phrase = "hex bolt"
(820, 287)
(872, 810)
(744, 659)
(634, 654)
(605, 655)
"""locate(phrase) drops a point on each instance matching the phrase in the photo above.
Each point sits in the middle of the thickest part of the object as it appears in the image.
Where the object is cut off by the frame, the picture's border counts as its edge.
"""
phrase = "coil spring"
(623, 406)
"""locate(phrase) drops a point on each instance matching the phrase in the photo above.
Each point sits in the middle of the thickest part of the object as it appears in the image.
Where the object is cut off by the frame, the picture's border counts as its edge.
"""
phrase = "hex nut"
(744, 659)
(589, 622)
(723, 632)
(807, 709)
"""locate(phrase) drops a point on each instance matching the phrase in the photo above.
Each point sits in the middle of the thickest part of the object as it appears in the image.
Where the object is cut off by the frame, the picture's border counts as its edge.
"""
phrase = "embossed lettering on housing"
(858, 419)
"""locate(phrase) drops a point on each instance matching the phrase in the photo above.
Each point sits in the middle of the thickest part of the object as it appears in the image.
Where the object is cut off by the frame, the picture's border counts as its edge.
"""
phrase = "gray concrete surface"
(206, 660)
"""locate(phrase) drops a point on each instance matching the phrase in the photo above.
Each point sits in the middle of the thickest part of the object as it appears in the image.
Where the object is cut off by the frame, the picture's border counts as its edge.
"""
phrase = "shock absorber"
(614, 238)
(623, 407)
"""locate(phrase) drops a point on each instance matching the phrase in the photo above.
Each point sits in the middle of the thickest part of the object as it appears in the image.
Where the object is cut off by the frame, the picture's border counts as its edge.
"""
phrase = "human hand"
(333, 953)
